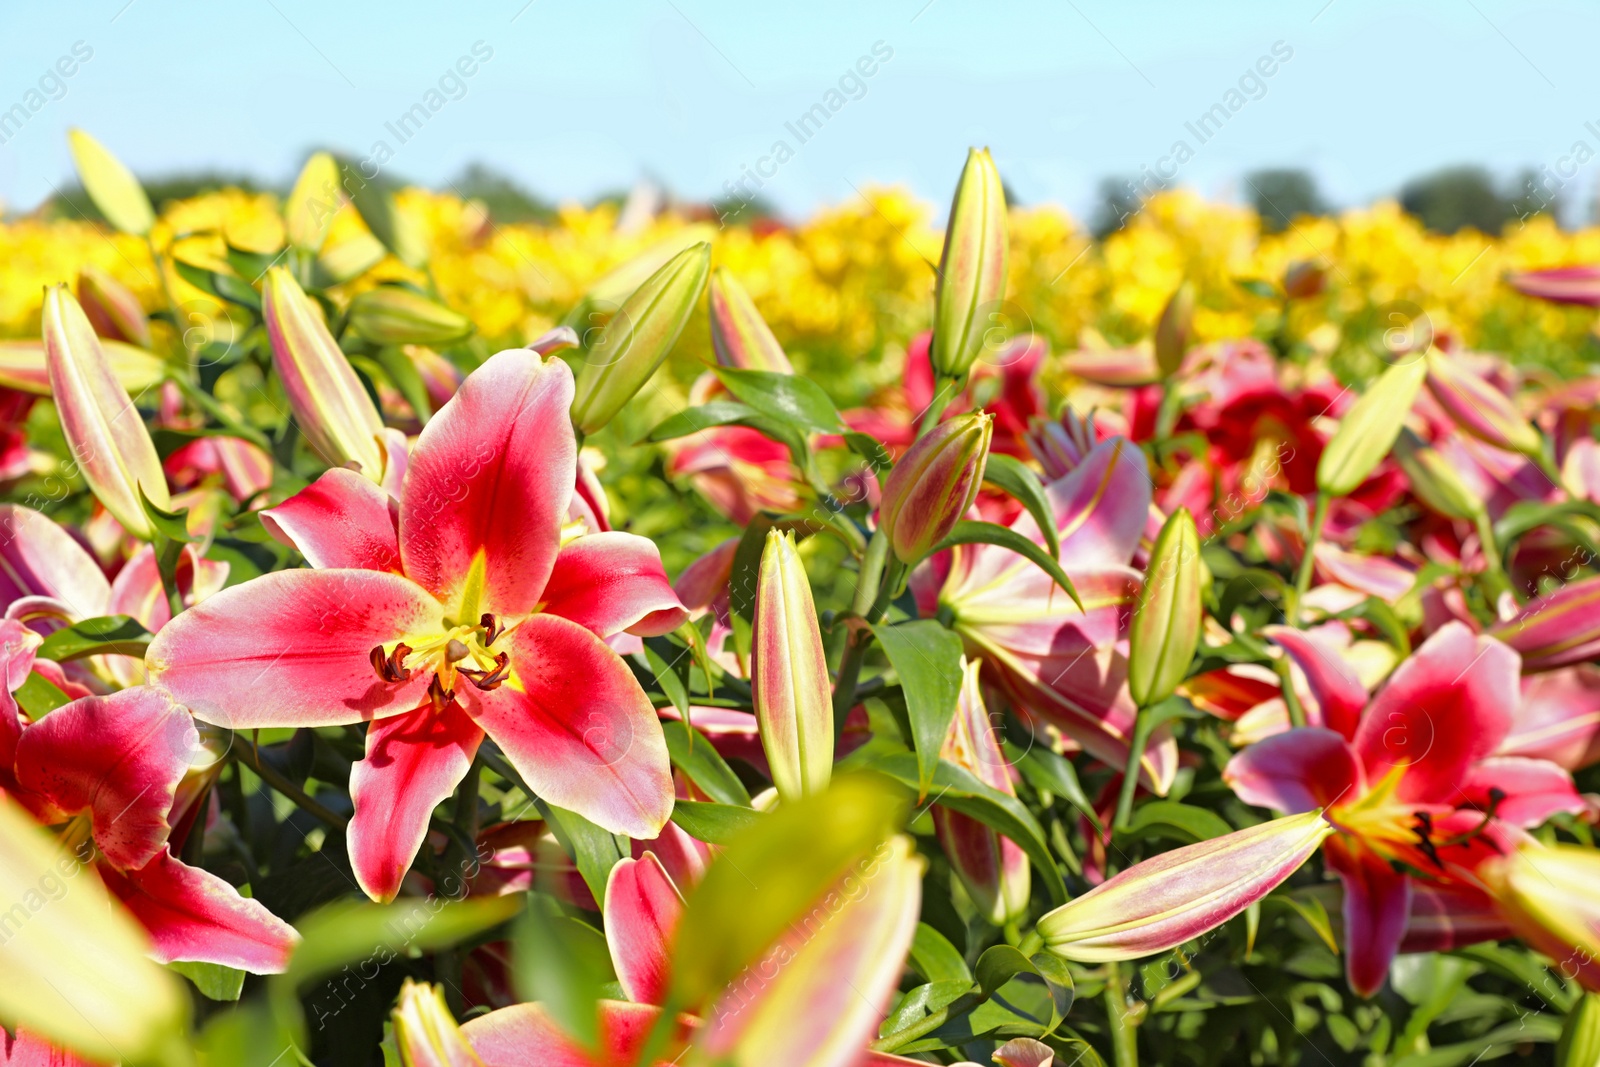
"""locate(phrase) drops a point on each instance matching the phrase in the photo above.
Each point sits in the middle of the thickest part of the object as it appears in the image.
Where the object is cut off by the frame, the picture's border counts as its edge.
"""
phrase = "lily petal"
(340, 520)
(1533, 789)
(413, 763)
(611, 582)
(524, 1035)
(489, 483)
(574, 722)
(1339, 694)
(119, 758)
(192, 914)
(1559, 718)
(39, 558)
(641, 913)
(291, 649)
(1299, 770)
(1377, 902)
(1442, 710)
(1447, 915)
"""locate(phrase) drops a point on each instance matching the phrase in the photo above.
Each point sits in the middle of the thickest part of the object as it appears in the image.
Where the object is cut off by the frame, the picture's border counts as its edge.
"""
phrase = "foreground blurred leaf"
(562, 964)
(927, 657)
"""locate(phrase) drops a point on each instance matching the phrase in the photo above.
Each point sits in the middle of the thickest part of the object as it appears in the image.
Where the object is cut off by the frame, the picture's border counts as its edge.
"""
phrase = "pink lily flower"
(110, 769)
(1556, 629)
(460, 611)
(244, 469)
(1410, 778)
(1559, 718)
(1060, 667)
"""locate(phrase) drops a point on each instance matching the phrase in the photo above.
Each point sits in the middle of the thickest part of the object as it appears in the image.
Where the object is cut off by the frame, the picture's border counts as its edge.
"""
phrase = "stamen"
(439, 695)
(1497, 797)
(455, 651)
(492, 629)
(1424, 830)
(488, 680)
(391, 668)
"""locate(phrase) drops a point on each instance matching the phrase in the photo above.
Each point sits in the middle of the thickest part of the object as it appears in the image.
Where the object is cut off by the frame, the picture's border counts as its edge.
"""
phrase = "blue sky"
(577, 99)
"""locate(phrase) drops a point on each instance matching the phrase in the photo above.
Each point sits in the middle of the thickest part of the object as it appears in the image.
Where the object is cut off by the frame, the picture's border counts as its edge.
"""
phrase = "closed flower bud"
(994, 869)
(1548, 896)
(739, 334)
(313, 202)
(112, 186)
(1177, 896)
(934, 484)
(333, 409)
(1304, 280)
(113, 310)
(1478, 408)
(972, 269)
(393, 315)
(1433, 480)
(1556, 629)
(1580, 1037)
(107, 436)
(1166, 619)
(789, 675)
(638, 337)
(1368, 430)
(425, 1033)
(1175, 330)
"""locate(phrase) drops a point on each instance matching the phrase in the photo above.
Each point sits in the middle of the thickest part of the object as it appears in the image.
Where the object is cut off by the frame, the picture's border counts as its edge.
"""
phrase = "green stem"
(172, 304)
(1302, 582)
(927, 1024)
(1291, 699)
(1167, 413)
(168, 554)
(944, 391)
(1495, 574)
(1130, 771)
(466, 813)
(1124, 1039)
(269, 774)
(879, 570)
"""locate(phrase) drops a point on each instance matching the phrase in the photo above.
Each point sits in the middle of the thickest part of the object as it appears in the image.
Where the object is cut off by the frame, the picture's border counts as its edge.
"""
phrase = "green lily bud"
(1166, 619)
(1368, 430)
(1175, 330)
(113, 310)
(313, 202)
(738, 333)
(393, 315)
(112, 186)
(972, 270)
(1580, 1037)
(789, 674)
(425, 1033)
(1434, 480)
(934, 484)
(638, 337)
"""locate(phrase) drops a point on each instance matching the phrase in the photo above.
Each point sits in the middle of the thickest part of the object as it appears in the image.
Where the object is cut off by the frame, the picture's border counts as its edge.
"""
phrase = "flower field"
(649, 636)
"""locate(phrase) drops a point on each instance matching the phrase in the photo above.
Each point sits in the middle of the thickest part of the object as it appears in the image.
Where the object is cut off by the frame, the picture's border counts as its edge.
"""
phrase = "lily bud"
(1434, 480)
(638, 337)
(1175, 330)
(106, 434)
(1547, 895)
(1304, 280)
(1177, 896)
(740, 336)
(1560, 285)
(1556, 629)
(972, 269)
(1368, 430)
(329, 402)
(1580, 1036)
(392, 315)
(113, 310)
(425, 1033)
(1478, 408)
(24, 366)
(934, 484)
(313, 202)
(1166, 619)
(112, 186)
(556, 340)
(993, 868)
(789, 674)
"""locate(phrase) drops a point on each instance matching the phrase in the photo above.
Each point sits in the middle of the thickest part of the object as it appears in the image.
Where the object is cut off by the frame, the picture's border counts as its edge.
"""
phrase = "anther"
(491, 627)
(1424, 831)
(487, 680)
(439, 695)
(391, 668)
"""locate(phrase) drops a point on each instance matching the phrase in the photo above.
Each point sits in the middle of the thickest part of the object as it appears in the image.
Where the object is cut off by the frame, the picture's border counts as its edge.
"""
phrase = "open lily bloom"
(107, 770)
(466, 608)
(1409, 779)
(1057, 665)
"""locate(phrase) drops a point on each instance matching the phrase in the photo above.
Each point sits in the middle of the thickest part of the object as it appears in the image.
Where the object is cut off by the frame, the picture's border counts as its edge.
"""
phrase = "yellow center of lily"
(446, 654)
(1383, 822)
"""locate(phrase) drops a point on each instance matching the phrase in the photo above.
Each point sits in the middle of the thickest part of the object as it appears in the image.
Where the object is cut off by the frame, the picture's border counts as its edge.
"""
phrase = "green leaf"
(106, 635)
(173, 525)
(927, 657)
(703, 764)
(407, 379)
(667, 678)
(1312, 912)
(961, 791)
(693, 420)
(935, 958)
(349, 931)
(715, 824)
(970, 532)
(562, 964)
(1258, 287)
(1018, 481)
(870, 449)
(1045, 770)
(595, 851)
(767, 877)
(39, 697)
(214, 981)
(746, 565)
(1171, 819)
(787, 398)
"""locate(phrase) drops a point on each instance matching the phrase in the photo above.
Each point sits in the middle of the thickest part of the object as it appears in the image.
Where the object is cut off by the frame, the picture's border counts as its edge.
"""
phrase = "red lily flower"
(107, 769)
(456, 612)
(1410, 781)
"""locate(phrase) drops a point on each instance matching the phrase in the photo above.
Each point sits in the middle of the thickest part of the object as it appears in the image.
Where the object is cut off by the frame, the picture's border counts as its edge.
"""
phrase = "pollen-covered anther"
(439, 695)
(491, 628)
(487, 680)
(391, 667)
